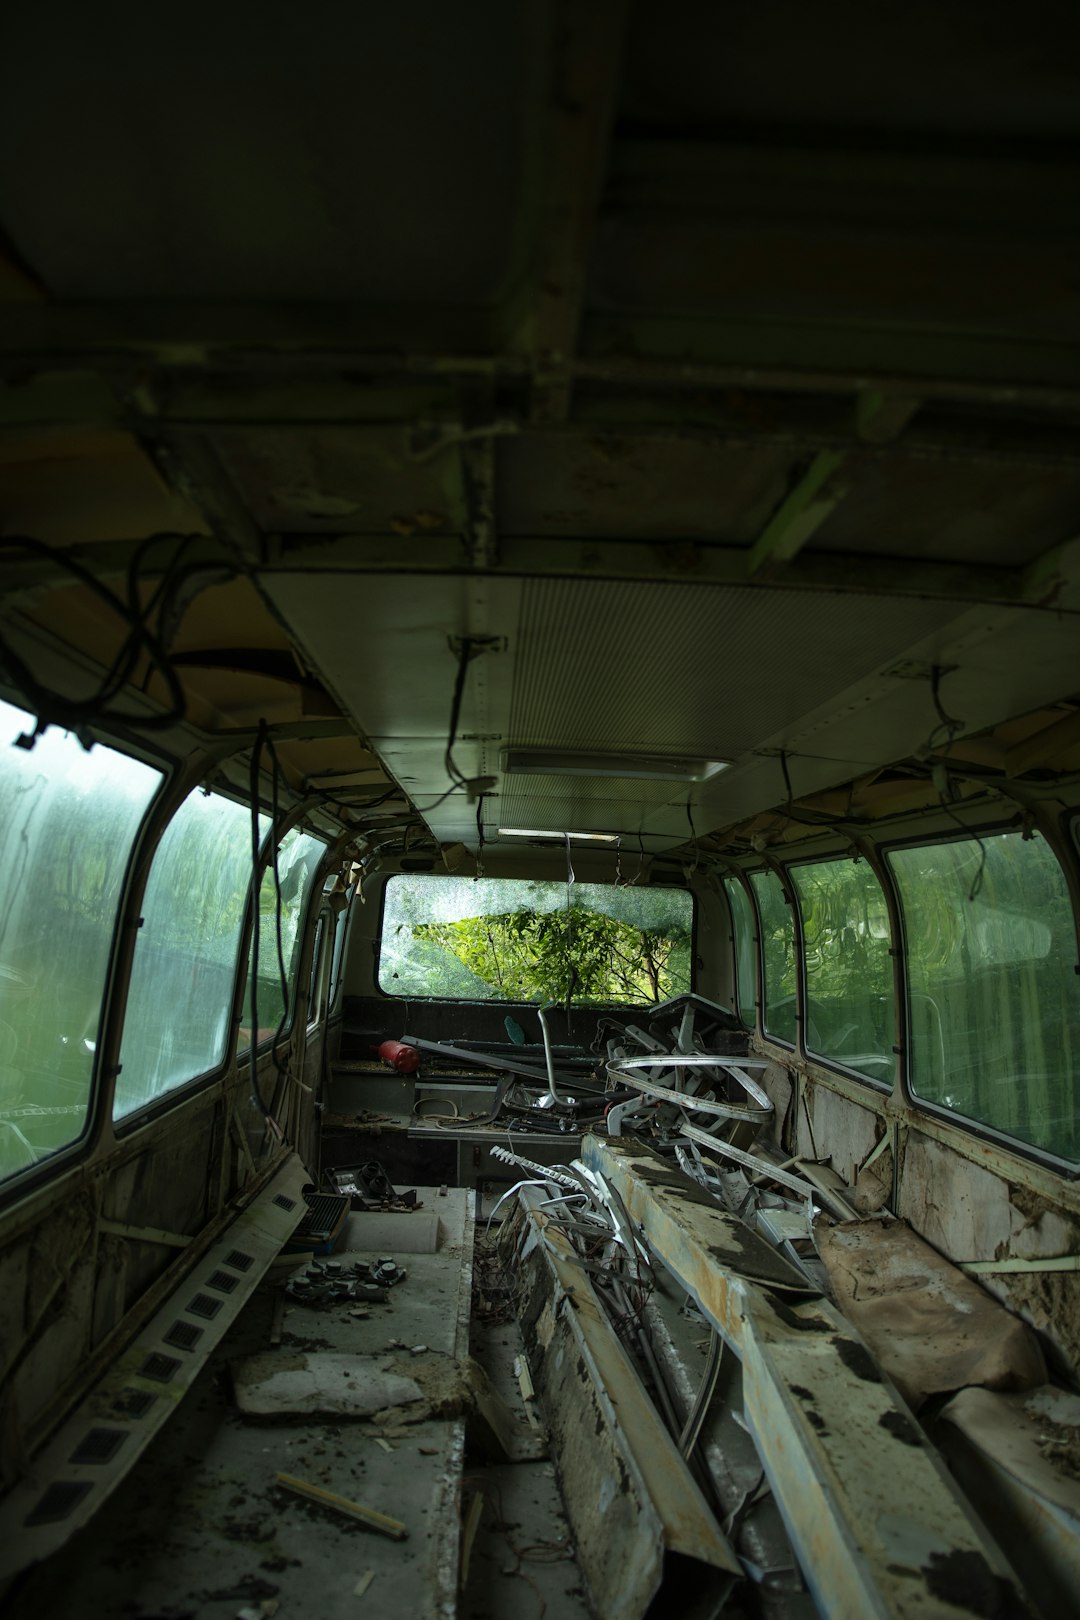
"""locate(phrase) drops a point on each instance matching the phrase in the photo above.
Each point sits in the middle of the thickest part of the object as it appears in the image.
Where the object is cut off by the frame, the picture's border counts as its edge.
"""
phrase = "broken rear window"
(504, 939)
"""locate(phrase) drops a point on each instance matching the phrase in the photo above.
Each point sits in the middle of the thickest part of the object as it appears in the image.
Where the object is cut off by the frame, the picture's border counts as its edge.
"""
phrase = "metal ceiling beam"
(672, 562)
(477, 471)
(687, 562)
(568, 153)
(996, 367)
(801, 513)
(426, 344)
(873, 425)
(878, 1525)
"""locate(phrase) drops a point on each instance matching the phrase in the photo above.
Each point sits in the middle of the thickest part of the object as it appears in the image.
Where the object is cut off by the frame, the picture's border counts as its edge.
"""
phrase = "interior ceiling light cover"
(534, 832)
(640, 767)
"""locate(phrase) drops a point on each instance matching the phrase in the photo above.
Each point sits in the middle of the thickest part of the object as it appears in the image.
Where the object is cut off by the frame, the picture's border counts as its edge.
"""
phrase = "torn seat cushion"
(932, 1328)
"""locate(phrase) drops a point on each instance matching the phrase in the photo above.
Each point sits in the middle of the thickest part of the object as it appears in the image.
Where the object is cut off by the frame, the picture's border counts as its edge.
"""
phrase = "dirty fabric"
(931, 1328)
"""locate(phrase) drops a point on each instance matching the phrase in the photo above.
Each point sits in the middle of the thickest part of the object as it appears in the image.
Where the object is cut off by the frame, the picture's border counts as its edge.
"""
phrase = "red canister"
(405, 1059)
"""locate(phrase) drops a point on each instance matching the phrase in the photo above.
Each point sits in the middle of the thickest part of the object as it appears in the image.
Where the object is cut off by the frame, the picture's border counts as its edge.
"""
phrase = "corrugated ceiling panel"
(611, 665)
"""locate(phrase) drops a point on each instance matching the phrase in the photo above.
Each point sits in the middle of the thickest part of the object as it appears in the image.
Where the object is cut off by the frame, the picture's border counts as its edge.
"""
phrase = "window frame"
(792, 901)
(893, 913)
(962, 1124)
(337, 961)
(98, 1121)
(462, 1001)
(757, 988)
(155, 1107)
(241, 1055)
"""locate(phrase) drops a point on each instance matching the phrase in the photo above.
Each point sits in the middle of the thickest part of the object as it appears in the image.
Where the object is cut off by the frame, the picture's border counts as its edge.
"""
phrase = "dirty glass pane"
(993, 995)
(68, 819)
(184, 973)
(778, 955)
(745, 949)
(503, 939)
(298, 858)
(849, 982)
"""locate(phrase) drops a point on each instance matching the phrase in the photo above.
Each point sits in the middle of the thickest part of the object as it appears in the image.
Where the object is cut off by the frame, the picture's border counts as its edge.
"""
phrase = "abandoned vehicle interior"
(540, 787)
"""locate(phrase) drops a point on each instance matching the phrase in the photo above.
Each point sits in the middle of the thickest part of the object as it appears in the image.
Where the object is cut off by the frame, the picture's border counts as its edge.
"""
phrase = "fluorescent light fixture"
(640, 767)
(582, 837)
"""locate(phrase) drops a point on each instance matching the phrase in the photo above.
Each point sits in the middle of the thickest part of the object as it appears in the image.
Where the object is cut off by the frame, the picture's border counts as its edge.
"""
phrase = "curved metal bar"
(758, 1109)
(750, 1161)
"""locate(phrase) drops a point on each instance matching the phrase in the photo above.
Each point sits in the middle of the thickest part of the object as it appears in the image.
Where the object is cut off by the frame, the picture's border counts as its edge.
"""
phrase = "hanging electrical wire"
(464, 656)
(480, 835)
(254, 900)
(143, 638)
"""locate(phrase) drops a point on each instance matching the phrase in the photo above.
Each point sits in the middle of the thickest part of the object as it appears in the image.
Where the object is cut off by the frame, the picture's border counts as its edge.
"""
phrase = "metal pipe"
(548, 1058)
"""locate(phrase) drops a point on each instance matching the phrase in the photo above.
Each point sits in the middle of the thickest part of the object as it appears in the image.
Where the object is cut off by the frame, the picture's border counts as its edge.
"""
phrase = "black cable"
(275, 783)
(787, 777)
(256, 886)
(480, 835)
(76, 714)
(946, 723)
(455, 713)
(455, 788)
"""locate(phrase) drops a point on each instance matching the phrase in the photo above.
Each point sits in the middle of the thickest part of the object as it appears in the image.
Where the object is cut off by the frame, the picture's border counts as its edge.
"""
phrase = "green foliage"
(532, 955)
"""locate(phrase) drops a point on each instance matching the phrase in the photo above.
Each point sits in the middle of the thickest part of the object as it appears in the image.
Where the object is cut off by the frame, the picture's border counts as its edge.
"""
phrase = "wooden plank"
(342, 1504)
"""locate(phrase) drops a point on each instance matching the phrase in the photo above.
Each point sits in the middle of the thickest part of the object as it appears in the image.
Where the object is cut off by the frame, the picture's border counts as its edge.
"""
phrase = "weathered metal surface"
(147, 1383)
(879, 1528)
(630, 1496)
(1015, 1457)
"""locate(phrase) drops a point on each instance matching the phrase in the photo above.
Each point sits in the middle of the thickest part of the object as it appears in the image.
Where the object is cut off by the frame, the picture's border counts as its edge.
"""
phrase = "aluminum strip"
(760, 1167)
(758, 1110)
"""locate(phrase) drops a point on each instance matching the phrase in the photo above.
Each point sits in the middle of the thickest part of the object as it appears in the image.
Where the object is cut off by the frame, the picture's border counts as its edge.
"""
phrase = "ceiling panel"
(307, 482)
(609, 666)
(626, 487)
(266, 153)
(976, 512)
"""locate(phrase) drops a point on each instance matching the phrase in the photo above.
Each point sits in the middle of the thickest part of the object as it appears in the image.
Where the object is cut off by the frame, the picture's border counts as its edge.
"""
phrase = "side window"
(849, 982)
(993, 994)
(777, 956)
(68, 820)
(184, 972)
(742, 913)
(298, 857)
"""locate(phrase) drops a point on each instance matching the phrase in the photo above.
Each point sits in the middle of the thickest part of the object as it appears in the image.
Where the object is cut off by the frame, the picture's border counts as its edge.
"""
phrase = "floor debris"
(342, 1504)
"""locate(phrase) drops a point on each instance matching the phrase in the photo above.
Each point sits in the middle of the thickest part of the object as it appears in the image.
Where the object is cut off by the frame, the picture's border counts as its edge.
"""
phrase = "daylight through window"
(501, 939)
